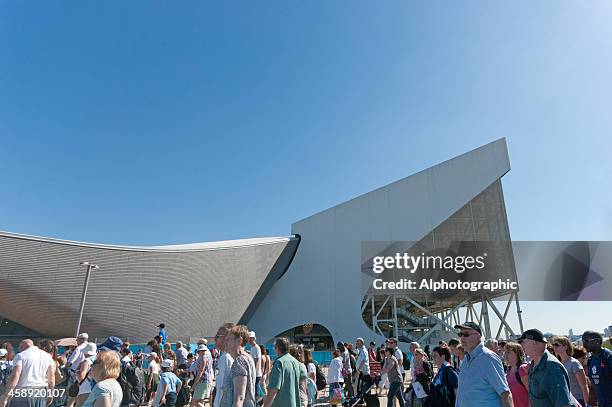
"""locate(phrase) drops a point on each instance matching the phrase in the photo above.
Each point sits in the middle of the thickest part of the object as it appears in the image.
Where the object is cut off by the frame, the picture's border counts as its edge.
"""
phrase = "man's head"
(533, 342)
(372, 345)
(413, 346)
(161, 326)
(281, 346)
(82, 338)
(25, 344)
(592, 341)
(359, 342)
(252, 338)
(452, 344)
(392, 343)
(492, 344)
(221, 336)
(470, 335)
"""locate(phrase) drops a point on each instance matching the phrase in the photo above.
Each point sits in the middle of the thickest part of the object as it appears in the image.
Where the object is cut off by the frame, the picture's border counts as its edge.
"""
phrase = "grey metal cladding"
(193, 288)
(322, 284)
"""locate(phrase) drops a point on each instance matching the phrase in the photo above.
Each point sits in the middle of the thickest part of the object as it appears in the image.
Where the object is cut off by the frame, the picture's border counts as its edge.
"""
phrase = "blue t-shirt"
(164, 336)
(481, 379)
(171, 380)
(599, 369)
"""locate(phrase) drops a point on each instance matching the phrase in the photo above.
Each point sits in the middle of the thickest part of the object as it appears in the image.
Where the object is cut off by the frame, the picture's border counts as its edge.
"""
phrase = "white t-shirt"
(77, 357)
(363, 357)
(153, 367)
(256, 354)
(86, 385)
(400, 359)
(334, 374)
(34, 363)
(181, 356)
(224, 366)
(346, 360)
(311, 368)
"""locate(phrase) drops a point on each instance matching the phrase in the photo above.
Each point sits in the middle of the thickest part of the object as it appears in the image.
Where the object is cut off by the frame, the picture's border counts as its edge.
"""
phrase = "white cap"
(252, 334)
(202, 347)
(83, 336)
(3, 352)
(152, 355)
(166, 363)
(90, 349)
(203, 341)
(360, 339)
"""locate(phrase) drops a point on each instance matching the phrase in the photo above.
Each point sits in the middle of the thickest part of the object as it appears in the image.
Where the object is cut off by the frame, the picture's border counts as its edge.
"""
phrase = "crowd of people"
(534, 371)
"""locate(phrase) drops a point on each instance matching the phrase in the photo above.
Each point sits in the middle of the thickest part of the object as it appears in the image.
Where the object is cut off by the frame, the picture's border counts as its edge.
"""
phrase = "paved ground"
(323, 399)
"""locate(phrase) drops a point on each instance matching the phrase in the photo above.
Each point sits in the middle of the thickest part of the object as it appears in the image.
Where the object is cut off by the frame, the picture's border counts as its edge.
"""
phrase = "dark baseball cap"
(470, 325)
(592, 334)
(162, 325)
(534, 335)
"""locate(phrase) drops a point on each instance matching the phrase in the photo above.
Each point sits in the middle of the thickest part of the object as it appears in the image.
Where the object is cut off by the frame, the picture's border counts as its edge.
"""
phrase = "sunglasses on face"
(463, 334)
(557, 345)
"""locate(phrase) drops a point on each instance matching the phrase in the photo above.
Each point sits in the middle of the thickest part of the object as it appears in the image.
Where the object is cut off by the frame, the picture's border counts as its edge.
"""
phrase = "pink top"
(520, 395)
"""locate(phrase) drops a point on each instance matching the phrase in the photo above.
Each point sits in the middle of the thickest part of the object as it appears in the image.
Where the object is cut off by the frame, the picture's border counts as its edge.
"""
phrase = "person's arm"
(51, 381)
(386, 367)
(270, 397)
(11, 384)
(240, 383)
(150, 383)
(83, 369)
(582, 381)
(361, 365)
(313, 375)
(525, 381)
(164, 390)
(201, 367)
(506, 399)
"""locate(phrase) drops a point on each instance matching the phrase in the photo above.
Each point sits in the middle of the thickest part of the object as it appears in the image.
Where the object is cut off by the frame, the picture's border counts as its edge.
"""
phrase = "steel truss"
(406, 319)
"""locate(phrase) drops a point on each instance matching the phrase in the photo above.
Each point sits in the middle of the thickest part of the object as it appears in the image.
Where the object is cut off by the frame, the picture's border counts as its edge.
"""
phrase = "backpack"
(183, 397)
(405, 361)
(131, 380)
(321, 381)
(441, 395)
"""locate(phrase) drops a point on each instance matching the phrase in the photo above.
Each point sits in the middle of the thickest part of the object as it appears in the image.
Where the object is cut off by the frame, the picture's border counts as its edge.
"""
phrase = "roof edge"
(189, 247)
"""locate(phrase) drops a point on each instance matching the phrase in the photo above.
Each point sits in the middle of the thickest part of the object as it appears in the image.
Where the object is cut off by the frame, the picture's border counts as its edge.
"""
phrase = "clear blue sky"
(161, 122)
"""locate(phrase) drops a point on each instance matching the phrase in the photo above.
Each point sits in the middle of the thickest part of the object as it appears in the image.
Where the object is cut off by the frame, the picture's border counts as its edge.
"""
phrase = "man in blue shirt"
(168, 387)
(163, 334)
(482, 381)
(599, 367)
(548, 379)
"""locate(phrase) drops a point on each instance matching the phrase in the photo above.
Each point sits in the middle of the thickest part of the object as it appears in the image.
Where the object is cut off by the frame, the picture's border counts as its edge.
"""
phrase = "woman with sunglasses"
(578, 381)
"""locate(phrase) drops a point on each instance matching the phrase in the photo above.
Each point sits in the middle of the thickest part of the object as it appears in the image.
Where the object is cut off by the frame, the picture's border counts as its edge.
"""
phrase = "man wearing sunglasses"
(599, 366)
(482, 381)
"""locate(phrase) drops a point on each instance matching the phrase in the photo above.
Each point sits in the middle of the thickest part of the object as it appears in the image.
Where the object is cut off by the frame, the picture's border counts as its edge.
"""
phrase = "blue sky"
(156, 122)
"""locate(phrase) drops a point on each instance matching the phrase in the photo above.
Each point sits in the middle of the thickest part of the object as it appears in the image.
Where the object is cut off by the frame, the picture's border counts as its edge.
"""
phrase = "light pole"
(89, 267)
